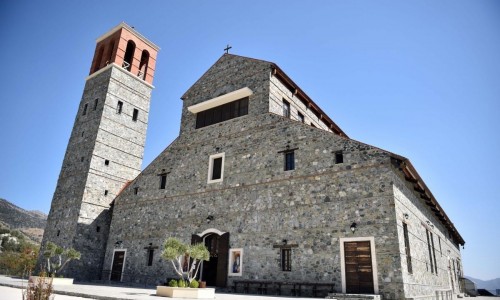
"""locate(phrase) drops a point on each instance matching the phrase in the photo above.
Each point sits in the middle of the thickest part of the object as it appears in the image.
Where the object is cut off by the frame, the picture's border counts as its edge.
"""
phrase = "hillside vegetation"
(30, 223)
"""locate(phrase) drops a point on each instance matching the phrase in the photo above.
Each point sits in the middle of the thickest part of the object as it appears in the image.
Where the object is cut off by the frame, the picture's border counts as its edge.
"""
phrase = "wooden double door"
(358, 267)
(214, 271)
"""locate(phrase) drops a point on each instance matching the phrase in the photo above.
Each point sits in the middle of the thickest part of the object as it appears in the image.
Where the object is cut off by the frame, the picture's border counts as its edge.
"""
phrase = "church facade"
(259, 173)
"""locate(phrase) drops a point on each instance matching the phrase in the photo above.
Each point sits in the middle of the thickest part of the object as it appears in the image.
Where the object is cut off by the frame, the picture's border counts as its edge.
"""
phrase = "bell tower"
(105, 149)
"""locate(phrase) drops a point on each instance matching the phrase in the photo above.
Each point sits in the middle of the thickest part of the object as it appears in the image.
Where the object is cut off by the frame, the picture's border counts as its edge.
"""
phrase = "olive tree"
(52, 250)
(181, 254)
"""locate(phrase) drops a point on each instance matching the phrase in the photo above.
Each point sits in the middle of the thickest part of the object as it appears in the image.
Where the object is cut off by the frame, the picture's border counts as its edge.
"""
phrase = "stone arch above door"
(210, 230)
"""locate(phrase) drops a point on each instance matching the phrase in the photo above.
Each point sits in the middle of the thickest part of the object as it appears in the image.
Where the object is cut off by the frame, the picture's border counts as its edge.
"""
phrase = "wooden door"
(358, 268)
(222, 262)
(214, 271)
(117, 266)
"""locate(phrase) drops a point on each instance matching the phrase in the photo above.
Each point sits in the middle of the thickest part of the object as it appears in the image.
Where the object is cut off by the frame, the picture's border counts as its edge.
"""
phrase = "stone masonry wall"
(278, 92)
(422, 281)
(229, 74)
(259, 203)
(80, 210)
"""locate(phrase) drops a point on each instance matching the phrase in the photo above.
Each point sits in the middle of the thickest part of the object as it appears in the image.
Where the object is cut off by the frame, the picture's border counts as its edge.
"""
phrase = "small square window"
(135, 114)
(85, 109)
(98, 228)
(216, 168)
(286, 259)
(289, 160)
(106, 162)
(339, 157)
(105, 192)
(119, 107)
(136, 190)
(301, 117)
(286, 109)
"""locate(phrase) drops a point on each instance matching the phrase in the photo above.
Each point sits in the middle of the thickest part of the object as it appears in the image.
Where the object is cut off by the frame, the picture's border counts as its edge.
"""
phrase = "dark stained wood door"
(222, 262)
(117, 267)
(358, 268)
(214, 271)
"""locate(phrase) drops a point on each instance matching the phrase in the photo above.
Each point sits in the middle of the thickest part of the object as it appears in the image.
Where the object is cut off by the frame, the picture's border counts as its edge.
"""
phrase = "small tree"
(52, 250)
(175, 251)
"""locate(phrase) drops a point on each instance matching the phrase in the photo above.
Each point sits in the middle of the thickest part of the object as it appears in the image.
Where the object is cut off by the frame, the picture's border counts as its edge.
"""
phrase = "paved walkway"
(10, 288)
(104, 292)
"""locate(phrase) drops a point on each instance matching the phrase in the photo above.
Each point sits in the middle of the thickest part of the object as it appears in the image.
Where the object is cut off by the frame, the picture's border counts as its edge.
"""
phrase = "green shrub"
(194, 284)
(173, 283)
(181, 283)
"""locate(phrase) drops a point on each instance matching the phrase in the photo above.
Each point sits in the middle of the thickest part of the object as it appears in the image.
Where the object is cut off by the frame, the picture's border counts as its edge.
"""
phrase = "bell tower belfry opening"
(105, 149)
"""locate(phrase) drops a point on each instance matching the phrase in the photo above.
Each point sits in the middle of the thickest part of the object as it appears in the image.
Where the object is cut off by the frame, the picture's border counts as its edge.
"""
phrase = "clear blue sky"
(418, 78)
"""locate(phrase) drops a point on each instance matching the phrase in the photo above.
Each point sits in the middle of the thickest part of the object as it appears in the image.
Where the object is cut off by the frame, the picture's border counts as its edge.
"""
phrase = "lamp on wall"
(118, 244)
(406, 216)
(210, 219)
(353, 227)
(285, 241)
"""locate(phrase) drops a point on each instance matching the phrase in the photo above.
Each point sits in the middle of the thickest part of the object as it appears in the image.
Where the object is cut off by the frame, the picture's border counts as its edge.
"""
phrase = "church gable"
(228, 74)
(230, 77)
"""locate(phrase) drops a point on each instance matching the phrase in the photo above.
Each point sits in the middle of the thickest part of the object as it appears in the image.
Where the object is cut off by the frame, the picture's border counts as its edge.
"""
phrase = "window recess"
(216, 168)
(222, 113)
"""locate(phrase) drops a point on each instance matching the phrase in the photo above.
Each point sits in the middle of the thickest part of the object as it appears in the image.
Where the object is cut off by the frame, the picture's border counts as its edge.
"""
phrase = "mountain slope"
(31, 223)
(492, 284)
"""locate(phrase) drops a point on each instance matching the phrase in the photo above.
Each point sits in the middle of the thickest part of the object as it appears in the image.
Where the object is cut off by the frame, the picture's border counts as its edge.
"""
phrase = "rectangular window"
(216, 168)
(105, 192)
(98, 228)
(454, 270)
(85, 109)
(286, 259)
(136, 190)
(430, 250)
(163, 181)
(151, 253)
(286, 109)
(301, 117)
(222, 113)
(106, 162)
(289, 160)
(58, 232)
(339, 157)
(440, 249)
(433, 252)
(407, 248)
(96, 101)
(135, 114)
(119, 107)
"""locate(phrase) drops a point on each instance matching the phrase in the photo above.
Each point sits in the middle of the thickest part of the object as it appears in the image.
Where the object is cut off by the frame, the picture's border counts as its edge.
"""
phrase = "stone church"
(259, 173)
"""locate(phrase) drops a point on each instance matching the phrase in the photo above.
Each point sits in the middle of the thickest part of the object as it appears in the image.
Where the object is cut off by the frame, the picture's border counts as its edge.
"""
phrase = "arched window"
(97, 63)
(109, 55)
(143, 66)
(129, 55)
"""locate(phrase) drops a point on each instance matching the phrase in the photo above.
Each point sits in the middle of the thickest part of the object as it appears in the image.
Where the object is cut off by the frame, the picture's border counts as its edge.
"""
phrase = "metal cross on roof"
(227, 48)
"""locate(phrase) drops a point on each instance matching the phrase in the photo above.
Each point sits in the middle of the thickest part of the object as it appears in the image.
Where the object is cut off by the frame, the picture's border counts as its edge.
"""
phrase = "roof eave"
(420, 187)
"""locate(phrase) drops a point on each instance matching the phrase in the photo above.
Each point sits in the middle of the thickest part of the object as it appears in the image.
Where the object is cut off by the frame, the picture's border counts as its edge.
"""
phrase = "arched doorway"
(214, 271)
